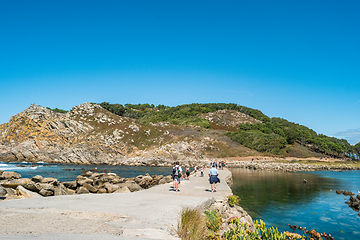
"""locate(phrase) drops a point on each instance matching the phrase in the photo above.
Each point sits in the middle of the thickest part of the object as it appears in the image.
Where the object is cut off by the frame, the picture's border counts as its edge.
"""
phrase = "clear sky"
(298, 60)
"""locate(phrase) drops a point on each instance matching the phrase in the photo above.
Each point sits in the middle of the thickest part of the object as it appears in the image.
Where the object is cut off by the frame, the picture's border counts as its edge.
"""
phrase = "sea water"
(280, 199)
(69, 172)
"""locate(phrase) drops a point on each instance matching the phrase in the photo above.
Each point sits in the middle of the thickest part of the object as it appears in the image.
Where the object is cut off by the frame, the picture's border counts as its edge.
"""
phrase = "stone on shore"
(62, 190)
(133, 186)
(110, 187)
(14, 183)
(82, 190)
(91, 188)
(37, 179)
(10, 175)
(72, 185)
(123, 190)
(24, 193)
(3, 191)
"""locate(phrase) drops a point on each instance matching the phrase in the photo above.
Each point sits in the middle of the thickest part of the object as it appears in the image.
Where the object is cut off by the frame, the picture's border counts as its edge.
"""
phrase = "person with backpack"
(177, 173)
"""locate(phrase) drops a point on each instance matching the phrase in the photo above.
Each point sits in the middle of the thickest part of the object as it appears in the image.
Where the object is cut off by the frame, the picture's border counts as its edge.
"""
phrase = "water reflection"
(282, 198)
(259, 189)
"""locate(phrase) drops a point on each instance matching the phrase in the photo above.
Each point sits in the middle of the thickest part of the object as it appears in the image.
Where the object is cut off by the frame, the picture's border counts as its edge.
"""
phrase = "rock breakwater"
(289, 167)
(12, 186)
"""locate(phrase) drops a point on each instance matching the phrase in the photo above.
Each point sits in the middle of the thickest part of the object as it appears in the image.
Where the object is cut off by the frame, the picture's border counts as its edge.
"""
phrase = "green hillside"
(274, 136)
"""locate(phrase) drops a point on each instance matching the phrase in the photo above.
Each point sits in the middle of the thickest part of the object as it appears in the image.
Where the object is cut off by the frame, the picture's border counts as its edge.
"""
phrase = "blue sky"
(298, 60)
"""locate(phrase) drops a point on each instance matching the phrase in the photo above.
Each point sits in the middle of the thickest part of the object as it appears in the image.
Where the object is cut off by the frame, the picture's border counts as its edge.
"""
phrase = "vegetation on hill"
(275, 136)
(58, 110)
(186, 114)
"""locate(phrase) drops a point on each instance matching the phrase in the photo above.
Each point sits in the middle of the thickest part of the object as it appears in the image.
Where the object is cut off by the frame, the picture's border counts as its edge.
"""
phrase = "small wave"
(3, 165)
(33, 168)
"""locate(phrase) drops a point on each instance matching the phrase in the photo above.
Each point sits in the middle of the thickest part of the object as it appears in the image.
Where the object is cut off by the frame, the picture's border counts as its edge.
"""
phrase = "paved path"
(146, 214)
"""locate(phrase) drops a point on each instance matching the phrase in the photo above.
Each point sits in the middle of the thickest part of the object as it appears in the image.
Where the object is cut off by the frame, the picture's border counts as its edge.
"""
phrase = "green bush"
(213, 220)
(239, 231)
(233, 200)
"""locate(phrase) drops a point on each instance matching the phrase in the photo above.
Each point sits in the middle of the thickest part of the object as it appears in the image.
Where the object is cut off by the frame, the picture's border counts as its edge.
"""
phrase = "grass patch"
(192, 225)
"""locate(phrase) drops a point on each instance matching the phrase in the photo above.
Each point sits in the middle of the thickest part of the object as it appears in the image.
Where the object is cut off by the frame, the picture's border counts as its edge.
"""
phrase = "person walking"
(177, 172)
(195, 170)
(187, 171)
(213, 177)
(202, 171)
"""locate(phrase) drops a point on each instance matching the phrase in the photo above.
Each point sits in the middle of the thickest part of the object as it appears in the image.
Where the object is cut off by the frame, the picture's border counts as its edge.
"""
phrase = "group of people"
(218, 165)
(177, 175)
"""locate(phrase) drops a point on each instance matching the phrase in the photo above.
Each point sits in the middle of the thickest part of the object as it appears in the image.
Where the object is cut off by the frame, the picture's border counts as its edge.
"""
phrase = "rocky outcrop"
(89, 134)
(288, 167)
(354, 202)
(228, 118)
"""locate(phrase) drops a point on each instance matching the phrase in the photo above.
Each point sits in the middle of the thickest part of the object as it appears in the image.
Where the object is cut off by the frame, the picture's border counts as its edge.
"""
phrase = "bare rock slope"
(89, 134)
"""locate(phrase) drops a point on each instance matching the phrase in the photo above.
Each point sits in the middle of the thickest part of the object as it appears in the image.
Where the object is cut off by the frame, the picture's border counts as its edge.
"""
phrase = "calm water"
(282, 198)
(29, 170)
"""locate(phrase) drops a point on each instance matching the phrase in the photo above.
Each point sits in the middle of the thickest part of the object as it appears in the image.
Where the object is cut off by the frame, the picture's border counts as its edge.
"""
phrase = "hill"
(146, 135)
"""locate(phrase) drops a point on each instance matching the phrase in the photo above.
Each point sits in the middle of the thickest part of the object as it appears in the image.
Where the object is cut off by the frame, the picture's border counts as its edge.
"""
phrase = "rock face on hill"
(89, 134)
(228, 118)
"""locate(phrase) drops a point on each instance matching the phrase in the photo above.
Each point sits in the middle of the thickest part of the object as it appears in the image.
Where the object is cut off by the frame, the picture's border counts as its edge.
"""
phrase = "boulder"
(133, 186)
(61, 190)
(146, 182)
(358, 196)
(94, 175)
(32, 186)
(23, 192)
(10, 192)
(123, 190)
(87, 174)
(3, 191)
(46, 193)
(91, 188)
(80, 180)
(110, 187)
(11, 175)
(157, 178)
(47, 187)
(116, 180)
(71, 185)
(14, 183)
(37, 179)
(102, 190)
(82, 190)
(339, 191)
(1, 172)
(53, 181)
(162, 181)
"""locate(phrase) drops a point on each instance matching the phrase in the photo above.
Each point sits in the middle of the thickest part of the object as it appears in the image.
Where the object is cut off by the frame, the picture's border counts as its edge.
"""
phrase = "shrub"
(213, 220)
(239, 231)
(233, 200)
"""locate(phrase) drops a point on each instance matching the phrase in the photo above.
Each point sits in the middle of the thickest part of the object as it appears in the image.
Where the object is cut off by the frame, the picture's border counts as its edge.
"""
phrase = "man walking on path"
(213, 174)
(177, 172)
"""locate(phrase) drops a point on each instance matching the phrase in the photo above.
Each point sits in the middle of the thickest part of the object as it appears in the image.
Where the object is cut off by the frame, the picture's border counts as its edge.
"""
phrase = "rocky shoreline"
(12, 186)
(289, 167)
(354, 202)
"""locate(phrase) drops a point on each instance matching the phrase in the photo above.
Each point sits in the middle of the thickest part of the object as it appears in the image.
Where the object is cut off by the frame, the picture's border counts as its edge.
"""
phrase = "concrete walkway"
(148, 214)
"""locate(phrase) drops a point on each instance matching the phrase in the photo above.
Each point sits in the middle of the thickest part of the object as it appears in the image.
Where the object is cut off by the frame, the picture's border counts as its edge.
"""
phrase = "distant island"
(144, 134)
